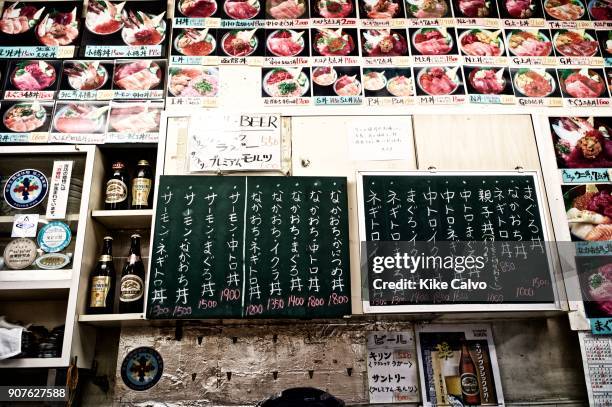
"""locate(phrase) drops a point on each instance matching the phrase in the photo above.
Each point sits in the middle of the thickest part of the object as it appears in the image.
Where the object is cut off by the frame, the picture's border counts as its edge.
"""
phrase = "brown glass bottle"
(131, 287)
(102, 282)
(142, 184)
(469, 380)
(116, 196)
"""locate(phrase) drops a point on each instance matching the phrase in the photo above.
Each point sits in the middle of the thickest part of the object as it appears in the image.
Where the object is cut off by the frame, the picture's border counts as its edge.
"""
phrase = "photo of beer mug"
(453, 385)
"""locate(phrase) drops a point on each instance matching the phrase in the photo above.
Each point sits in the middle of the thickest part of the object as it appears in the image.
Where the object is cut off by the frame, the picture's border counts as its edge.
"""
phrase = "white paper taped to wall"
(385, 139)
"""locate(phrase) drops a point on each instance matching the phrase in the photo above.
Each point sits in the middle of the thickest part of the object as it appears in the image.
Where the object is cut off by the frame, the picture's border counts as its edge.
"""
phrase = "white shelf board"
(69, 218)
(124, 219)
(32, 363)
(34, 276)
(6, 222)
(111, 319)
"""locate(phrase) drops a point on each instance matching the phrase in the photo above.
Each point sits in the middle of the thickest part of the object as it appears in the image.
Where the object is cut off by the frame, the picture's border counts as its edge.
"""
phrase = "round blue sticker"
(54, 237)
(25, 189)
(142, 368)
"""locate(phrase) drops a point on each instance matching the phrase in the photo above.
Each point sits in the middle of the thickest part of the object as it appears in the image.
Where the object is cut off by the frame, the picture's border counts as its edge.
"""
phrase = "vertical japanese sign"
(234, 142)
(250, 247)
(58, 190)
(392, 367)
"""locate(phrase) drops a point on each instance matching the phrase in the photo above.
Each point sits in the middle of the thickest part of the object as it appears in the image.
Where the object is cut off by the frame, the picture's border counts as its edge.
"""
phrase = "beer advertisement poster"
(458, 366)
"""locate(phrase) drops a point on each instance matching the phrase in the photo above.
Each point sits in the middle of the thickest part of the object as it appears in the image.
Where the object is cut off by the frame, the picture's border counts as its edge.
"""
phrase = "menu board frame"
(459, 307)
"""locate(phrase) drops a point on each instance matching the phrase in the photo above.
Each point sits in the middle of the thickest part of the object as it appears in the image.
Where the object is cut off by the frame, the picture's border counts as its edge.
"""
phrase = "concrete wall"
(539, 361)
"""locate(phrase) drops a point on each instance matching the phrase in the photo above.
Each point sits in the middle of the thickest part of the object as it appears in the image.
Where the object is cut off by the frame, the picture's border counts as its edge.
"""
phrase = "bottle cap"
(118, 165)
(143, 162)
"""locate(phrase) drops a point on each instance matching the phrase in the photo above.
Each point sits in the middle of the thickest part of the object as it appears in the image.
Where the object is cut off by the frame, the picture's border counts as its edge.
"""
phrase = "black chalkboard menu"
(453, 238)
(247, 247)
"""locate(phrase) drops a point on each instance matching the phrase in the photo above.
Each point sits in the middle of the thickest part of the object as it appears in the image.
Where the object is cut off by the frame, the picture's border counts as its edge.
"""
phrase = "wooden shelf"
(32, 363)
(112, 319)
(124, 219)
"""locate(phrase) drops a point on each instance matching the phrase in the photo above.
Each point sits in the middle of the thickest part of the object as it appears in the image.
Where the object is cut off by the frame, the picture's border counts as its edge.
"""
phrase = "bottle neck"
(134, 254)
(108, 248)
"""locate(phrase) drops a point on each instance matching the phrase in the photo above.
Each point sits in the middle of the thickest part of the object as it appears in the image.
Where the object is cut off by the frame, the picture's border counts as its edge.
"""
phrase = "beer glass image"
(457, 371)
(452, 382)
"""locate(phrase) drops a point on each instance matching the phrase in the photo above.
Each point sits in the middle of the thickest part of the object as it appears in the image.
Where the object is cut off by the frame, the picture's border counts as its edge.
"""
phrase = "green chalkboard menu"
(453, 238)
(248, 247)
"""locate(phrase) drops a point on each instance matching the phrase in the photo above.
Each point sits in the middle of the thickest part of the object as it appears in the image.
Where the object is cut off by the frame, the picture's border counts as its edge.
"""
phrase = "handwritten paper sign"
(392, 367)
(387, 139)
(235, 142)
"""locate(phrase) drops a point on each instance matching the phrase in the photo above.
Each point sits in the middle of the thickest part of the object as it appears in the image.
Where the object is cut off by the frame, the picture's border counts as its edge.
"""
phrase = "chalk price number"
(33, 393)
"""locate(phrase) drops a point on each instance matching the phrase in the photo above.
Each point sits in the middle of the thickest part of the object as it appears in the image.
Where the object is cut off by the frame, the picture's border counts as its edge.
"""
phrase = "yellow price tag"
(65, 51)
(209, 61)
(398, 22)
(213, 22)
(536, 22)
(209, 102)
(255, 61)
(555, 102)
(491, 22)
(39, 137)
(105, 94)
(549, 61)
(401, 61)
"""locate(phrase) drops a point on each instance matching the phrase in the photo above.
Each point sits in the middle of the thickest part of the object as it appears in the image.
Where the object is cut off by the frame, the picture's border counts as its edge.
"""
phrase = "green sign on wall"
(235, 246)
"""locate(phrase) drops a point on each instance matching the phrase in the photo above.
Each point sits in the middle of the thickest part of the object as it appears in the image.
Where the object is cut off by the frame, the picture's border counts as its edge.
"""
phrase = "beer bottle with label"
(131, 288)
(116, 196)
(102, 282)
(142, 185)
(470, 389)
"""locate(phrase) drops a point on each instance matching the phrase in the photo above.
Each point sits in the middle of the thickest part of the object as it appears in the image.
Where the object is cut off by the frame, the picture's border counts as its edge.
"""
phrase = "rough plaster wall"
(194, 371)
(539, 359)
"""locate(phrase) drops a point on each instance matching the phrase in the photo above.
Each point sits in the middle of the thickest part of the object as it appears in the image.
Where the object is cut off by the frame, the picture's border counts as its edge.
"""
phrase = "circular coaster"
(25, 189)
(54, 237)
(142, 368)
(19, 253)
